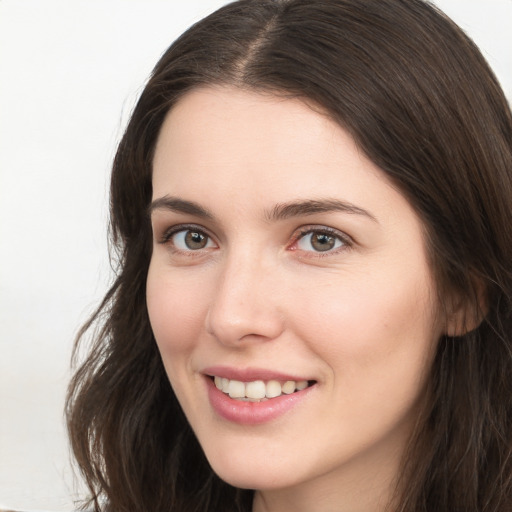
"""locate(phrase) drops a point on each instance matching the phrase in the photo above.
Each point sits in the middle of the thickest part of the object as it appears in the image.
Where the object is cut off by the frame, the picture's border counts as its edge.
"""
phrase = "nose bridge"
(243, 304)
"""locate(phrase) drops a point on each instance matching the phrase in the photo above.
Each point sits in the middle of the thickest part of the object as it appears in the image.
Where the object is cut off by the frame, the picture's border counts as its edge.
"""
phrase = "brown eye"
(318, 241)
(322, 242)
(195, 240)
(191, 240)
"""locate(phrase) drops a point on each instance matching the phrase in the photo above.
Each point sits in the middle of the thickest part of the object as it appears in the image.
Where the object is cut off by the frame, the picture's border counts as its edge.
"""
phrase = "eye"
(190, 240)
(320, 240)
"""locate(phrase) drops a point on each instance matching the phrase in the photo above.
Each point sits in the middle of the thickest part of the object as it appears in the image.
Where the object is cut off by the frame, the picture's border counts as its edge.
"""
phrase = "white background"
(70, 71)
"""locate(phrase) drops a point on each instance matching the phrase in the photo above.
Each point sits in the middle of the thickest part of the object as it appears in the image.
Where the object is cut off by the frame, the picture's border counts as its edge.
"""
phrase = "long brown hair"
(421, 102)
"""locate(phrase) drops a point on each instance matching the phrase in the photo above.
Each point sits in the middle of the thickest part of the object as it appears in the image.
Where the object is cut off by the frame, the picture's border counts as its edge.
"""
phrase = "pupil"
(322, 242)
(195, 240)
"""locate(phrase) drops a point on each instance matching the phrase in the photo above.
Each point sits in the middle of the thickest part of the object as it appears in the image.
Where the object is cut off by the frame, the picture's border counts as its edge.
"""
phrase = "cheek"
(176, 311)
(378, 343)
(370, 324)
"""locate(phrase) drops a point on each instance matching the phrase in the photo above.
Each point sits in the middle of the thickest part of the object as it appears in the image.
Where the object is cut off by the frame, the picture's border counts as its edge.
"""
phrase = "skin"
(360, 319)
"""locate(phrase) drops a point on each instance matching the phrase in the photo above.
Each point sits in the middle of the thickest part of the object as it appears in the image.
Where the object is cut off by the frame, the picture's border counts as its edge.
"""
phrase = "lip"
(250, 374)
(251, 413)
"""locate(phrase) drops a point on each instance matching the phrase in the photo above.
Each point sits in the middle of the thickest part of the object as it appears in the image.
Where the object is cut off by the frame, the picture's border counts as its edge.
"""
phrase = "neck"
(365, 484)
(371, 497)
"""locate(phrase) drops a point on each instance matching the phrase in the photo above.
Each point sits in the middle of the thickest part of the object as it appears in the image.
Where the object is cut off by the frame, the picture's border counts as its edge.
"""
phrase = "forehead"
(223, 122)
(250, 141)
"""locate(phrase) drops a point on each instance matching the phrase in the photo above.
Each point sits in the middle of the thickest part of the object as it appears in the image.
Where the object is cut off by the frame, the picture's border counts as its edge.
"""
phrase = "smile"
(255, 396)
(258, 390)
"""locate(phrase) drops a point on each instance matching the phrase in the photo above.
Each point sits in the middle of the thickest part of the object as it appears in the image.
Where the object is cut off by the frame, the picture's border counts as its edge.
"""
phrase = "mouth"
(259, 390)
(255, 396)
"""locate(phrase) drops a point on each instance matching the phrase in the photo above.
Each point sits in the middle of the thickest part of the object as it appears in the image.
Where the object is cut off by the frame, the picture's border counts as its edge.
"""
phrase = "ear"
(465, 312)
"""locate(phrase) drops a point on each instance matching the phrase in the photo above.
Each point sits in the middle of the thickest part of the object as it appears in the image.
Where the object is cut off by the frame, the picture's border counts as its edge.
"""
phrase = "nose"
(245, 305)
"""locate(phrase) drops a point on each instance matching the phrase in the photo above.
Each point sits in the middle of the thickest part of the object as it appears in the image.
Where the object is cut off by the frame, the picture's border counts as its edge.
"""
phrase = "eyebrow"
(175, 204)
(310, 207)
(280, 211)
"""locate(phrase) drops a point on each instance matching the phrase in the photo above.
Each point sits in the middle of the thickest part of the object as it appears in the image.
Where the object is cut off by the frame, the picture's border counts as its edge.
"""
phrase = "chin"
(247, 478)
(246, 471)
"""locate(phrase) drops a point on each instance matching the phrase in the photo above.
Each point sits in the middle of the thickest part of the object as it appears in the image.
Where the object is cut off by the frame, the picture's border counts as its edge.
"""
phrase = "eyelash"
(345, 240)
(169, 233)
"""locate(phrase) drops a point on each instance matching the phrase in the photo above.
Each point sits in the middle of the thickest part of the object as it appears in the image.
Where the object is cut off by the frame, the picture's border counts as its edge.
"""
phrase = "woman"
(311, 208)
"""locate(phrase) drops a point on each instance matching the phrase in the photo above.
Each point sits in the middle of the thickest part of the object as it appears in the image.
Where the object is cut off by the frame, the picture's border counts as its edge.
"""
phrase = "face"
(287, 271)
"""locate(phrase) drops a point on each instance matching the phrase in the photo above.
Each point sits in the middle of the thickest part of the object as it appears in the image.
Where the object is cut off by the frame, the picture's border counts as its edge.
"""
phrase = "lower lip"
(252, 413)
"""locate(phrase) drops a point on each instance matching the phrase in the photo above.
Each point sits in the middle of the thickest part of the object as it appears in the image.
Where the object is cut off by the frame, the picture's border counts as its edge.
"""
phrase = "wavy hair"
(421, 102)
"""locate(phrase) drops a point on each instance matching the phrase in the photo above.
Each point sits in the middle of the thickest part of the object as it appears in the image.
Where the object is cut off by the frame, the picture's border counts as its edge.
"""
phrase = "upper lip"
(250, 374)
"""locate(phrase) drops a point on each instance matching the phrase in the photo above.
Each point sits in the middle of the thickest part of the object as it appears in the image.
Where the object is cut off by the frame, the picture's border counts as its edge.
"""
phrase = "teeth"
(258, 390)
(303, 384)
(236, 389)
(255, 389)
(289, 387)
(273, 389)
